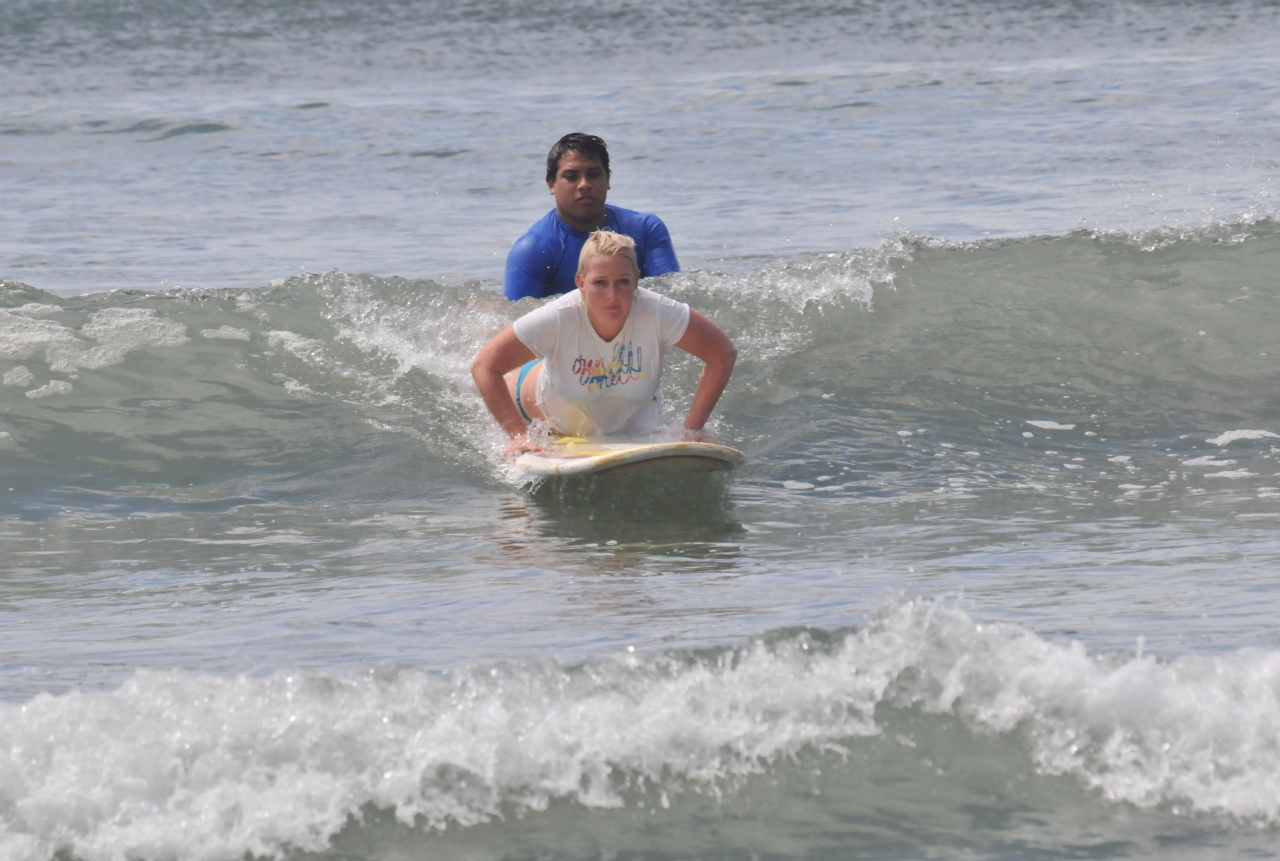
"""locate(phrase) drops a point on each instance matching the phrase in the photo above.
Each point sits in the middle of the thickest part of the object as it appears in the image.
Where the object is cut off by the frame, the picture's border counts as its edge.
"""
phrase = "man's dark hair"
(587, 146)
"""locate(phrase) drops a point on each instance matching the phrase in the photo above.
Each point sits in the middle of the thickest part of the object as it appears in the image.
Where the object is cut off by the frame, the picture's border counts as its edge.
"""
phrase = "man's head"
(588, 147)
(578, 178)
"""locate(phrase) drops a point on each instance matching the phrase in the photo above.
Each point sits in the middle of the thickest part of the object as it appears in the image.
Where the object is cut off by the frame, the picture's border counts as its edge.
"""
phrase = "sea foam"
(176, 765)
(25, 333)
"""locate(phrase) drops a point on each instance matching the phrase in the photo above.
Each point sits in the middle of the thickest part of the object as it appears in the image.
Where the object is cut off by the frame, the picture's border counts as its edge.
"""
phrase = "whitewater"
(998, 580)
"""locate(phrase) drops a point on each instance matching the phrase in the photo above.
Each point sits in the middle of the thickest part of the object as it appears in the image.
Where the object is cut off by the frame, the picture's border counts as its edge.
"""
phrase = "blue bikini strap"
(524, 372)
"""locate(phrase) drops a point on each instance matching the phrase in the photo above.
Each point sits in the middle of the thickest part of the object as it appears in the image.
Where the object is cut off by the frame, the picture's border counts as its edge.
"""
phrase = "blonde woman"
(590, 362)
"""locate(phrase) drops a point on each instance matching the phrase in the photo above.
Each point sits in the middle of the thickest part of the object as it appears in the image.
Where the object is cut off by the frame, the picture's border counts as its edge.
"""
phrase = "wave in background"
(1108, 353)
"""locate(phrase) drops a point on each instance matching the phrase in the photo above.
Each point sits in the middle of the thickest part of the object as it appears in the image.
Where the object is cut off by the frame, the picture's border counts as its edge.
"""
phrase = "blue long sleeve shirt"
(544, 261)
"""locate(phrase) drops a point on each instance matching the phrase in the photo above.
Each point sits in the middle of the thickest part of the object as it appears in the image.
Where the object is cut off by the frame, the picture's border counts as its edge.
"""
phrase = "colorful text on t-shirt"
(624, 366)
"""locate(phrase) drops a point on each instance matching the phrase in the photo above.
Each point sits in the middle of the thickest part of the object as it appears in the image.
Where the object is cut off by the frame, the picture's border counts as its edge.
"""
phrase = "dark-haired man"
(544, 261)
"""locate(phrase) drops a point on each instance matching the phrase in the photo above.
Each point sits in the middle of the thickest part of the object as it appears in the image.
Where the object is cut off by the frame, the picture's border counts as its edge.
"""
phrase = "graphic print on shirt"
(625, 365)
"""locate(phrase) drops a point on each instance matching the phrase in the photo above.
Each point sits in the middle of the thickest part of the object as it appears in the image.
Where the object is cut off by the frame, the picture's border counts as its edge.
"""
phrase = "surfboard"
(577, 456)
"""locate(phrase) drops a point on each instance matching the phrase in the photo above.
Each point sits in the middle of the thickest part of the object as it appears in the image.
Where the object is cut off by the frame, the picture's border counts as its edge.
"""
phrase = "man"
(544, 261)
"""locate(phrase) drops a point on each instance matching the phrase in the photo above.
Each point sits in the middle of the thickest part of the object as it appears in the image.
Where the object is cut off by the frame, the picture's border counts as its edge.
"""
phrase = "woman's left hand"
(704, 339)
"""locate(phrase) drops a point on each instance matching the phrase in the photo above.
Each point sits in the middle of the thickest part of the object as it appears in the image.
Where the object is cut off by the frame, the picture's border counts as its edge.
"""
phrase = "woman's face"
(608, 288)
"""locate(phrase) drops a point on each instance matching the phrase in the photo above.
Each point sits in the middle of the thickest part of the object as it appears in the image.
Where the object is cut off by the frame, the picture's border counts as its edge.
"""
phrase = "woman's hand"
(504, 353)
(698, 435)
(518, 445)
(705, 340)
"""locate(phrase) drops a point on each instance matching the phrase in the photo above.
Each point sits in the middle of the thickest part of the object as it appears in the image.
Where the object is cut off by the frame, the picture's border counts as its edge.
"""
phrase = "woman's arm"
(705, 340)
(504, 353)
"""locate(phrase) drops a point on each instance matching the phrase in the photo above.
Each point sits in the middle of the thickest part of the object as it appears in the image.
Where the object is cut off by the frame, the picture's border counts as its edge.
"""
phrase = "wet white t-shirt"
(592, 387)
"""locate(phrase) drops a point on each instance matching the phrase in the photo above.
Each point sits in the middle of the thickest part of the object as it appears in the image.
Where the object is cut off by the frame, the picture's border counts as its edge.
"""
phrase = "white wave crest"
(173, 765)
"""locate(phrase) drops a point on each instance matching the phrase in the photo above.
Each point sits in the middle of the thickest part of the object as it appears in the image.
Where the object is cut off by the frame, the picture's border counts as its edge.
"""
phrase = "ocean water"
(999, 580)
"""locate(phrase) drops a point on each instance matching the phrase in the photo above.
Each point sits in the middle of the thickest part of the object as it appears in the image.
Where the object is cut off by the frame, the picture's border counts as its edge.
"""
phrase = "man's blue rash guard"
(544, 261)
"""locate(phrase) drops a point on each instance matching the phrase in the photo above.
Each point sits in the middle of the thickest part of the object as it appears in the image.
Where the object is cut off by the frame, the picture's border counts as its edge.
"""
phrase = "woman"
(592, 359)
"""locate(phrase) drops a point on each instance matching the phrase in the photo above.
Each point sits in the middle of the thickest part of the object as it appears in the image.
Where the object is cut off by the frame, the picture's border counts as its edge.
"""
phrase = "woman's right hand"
(504, 353)
(518, 445)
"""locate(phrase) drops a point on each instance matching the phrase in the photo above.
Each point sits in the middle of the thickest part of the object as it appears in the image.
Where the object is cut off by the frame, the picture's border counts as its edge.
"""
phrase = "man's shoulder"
(546, 227)
(630, 217)
(540, 242)
(653, 241)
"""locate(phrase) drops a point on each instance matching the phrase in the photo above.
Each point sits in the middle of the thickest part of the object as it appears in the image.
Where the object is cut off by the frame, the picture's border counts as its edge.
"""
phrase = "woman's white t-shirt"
(592, 387)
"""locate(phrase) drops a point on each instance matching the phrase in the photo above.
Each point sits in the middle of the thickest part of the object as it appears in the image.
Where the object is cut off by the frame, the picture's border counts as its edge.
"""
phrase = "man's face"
(580, 189)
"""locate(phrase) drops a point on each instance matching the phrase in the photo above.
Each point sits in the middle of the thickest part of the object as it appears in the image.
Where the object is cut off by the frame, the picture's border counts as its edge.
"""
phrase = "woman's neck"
(608, 331)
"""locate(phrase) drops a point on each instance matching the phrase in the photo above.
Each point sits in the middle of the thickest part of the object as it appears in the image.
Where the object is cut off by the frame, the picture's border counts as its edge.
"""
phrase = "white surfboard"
(577, 456)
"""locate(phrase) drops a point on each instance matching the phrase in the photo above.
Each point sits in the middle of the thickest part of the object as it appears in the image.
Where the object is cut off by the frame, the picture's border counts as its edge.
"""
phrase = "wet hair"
(587, 146)
(608, 242)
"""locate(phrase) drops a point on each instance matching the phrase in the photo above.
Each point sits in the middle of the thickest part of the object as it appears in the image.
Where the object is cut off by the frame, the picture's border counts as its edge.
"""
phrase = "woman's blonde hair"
(613, 244)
